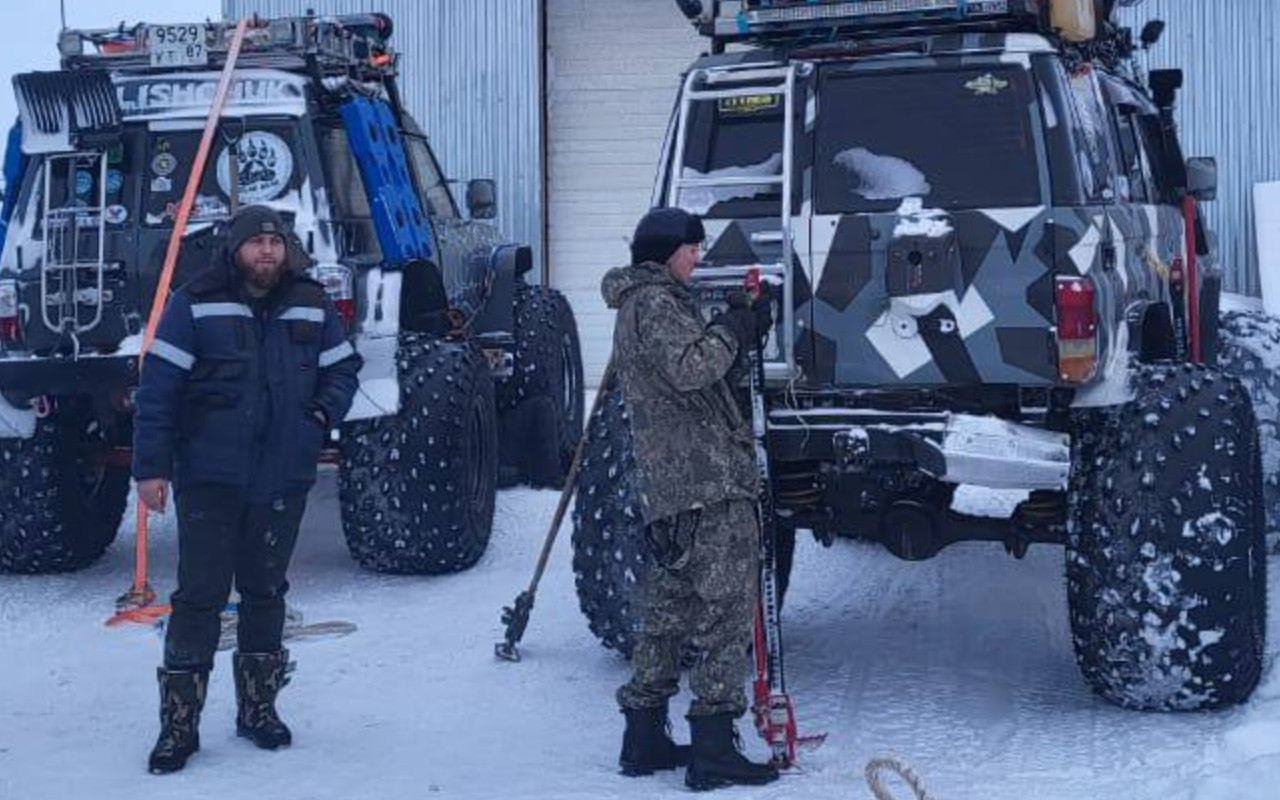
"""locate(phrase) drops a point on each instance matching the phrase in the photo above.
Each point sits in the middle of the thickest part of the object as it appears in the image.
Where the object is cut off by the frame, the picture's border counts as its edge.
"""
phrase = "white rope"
(876, 768)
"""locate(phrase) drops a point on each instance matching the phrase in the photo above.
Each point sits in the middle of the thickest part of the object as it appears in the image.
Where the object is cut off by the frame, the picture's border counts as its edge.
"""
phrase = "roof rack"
(336, 45)
(767, 21)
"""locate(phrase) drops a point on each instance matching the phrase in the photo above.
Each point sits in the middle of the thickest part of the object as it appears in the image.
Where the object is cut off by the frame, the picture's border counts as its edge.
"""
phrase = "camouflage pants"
(704, 593)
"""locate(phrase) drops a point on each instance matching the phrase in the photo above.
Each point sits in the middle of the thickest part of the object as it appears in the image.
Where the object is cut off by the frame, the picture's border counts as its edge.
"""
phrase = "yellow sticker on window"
(750, 104)
(987, 85)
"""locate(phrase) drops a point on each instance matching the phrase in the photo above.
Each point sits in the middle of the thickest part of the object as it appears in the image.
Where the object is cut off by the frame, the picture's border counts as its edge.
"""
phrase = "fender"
(508, 264)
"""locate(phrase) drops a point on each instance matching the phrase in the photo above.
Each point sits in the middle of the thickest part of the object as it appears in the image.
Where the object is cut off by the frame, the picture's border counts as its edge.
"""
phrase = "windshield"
(955, 139)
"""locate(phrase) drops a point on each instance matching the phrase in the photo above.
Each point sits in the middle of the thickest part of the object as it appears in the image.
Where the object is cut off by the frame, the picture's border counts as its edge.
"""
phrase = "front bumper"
(953, 448)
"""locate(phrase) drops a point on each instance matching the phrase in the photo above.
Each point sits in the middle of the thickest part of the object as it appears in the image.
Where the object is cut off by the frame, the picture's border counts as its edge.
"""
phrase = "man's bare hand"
(153, 492)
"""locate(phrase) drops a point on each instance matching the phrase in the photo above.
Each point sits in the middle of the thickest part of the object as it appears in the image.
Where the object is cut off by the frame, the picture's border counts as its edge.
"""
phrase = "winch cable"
(138, 603)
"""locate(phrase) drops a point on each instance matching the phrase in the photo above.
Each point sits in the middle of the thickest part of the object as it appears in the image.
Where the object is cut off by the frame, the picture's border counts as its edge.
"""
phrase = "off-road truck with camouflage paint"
(456, 343)
(992, 273)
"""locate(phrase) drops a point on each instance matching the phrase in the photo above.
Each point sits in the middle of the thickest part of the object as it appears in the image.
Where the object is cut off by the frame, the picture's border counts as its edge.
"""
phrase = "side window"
(1092, 130)
(1134, 165)
(431, 182)
(353, 221)
(1150, 133)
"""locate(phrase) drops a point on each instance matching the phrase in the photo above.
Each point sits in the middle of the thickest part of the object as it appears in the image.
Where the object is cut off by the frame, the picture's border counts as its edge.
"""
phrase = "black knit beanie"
(661, 233)
(251, 221)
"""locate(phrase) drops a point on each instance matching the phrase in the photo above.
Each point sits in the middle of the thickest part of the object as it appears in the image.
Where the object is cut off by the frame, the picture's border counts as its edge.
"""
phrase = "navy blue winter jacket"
(230, 384)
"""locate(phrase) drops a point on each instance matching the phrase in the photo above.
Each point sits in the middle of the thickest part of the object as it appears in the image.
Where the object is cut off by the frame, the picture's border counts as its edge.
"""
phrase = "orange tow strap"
(138, 604)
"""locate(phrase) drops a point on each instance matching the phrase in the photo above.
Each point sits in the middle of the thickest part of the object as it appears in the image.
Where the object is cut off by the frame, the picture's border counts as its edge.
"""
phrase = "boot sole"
(709, 784)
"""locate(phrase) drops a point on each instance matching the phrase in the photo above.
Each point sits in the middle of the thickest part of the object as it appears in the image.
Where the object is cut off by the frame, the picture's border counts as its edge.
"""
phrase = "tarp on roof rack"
(60, 111)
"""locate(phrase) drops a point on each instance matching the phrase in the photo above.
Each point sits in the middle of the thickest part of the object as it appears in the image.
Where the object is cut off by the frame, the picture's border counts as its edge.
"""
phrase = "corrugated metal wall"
(1230, 107)
(471, 77)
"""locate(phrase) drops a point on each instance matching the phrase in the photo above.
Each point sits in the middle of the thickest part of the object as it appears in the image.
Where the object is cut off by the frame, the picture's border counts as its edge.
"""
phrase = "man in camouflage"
(697, 483)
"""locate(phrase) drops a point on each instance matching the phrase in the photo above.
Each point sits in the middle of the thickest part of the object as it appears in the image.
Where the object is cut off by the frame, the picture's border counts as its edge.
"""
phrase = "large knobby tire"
(61, 500)
(1250, 351)
(611, 560)
(417, 489)
(1166, 562)
(541, 404)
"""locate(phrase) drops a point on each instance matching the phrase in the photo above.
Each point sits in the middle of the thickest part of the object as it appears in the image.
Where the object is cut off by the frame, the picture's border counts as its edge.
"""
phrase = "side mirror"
(482, 199)
(1151, 33)
(1202, 179)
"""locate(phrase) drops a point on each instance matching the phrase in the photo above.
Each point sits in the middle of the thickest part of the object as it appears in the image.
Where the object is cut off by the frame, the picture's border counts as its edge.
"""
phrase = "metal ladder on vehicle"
(72, 275)
(748, 81)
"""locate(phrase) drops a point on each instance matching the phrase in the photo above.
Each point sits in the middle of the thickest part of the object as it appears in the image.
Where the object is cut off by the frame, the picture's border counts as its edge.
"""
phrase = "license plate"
(177, 45)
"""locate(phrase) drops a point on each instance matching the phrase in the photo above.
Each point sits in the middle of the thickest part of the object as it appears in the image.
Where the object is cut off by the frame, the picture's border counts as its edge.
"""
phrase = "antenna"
(62, 5)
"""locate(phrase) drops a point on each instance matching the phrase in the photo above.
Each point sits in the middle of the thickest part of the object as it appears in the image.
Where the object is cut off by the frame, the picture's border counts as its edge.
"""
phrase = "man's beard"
(262, 276)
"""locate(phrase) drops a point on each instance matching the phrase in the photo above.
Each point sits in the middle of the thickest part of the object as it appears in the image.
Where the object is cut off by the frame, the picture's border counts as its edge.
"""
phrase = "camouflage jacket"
(692, 446)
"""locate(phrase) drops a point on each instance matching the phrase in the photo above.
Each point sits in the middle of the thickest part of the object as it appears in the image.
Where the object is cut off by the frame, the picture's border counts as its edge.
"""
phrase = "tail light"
(1077, 329)
(10, 330)
(337, 282)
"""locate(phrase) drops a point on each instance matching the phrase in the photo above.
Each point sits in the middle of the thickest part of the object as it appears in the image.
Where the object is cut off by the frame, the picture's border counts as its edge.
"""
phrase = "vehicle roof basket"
(354, 45)
(774, 21)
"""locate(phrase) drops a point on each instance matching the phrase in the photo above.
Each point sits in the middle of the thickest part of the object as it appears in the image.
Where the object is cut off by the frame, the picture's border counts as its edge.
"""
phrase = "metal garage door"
(613, 67)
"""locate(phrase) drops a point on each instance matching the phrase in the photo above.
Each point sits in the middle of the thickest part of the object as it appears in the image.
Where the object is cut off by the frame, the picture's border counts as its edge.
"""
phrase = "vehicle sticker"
(84, 183)
(987, 85)
(161, 185)
(207, 208)
(117, 214)
(265, 166)
(115, 181)
(164, 164)
(749, 104)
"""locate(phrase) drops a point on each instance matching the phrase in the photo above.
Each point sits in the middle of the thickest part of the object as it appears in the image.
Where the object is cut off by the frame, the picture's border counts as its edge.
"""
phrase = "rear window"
(956, 138)
(267, 168)
(738, 137)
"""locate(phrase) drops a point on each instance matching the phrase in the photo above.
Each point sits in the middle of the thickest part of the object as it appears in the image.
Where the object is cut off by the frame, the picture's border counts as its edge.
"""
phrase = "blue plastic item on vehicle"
(402, 225)
(15, 164)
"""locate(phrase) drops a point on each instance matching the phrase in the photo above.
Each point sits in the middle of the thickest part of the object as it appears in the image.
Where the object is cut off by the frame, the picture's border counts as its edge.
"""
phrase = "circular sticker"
(117, 214)
(84, 183)
(265, 164)
(164, 164)
(115, 181)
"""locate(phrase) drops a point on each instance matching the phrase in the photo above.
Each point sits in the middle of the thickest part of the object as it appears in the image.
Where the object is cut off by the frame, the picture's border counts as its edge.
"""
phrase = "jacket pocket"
(215, 385)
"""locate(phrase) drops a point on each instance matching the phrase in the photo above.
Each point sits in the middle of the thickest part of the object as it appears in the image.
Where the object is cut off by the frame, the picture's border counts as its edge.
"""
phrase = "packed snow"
(961, 666)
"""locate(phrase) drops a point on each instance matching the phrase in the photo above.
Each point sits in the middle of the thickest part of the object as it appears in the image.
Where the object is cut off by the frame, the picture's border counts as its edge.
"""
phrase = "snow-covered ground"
(961, 666)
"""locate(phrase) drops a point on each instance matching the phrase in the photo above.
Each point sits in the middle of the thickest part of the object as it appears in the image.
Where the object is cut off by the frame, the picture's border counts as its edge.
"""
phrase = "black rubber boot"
(182, 696)
(717, 761)
(259, 678)
(646, 744)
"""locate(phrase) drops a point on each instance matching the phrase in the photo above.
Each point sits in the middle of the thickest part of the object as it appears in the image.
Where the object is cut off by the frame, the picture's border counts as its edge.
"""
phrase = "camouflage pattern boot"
(182, 694)
(647, 746)
(717, 757)
(259, 678)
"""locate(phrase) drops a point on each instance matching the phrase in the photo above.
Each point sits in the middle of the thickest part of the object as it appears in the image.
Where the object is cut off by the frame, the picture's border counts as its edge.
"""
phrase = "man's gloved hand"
(749, 318)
